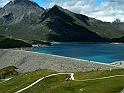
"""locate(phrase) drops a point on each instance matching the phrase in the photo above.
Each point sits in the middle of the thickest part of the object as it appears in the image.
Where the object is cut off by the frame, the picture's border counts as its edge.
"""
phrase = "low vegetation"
(57, 84)
(9, 71)
(11, 43)
(39, 42)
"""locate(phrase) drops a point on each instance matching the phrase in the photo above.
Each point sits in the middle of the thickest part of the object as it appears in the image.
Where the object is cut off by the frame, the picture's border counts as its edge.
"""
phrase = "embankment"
(28, 61)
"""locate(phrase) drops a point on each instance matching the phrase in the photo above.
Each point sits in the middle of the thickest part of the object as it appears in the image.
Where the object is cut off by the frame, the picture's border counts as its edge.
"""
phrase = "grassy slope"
(104, 29)
(26, 32)
(57, 84)
(22, 81)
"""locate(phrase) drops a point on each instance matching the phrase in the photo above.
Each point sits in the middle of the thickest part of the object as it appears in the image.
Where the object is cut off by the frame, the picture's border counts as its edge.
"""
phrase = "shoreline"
(86, 43)
(116, 63)
(28, 61)
(27, 49)
(70, 58)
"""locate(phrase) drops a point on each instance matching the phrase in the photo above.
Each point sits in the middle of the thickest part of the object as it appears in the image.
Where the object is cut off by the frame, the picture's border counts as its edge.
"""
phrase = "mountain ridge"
(24, 19)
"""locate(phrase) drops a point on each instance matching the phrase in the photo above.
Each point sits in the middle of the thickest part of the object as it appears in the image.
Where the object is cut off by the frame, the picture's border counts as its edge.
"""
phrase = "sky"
(105, 10)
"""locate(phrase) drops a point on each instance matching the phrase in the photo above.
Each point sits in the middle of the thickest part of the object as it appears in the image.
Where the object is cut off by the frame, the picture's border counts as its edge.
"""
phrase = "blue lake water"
(105, 53)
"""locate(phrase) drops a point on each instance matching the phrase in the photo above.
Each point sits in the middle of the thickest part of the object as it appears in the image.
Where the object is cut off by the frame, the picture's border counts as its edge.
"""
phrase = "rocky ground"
(28, 61)
(118, 63)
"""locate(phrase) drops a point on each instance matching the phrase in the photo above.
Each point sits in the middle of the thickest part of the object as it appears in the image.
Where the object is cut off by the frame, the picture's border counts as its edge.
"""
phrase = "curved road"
(71, 75)
(71, 78)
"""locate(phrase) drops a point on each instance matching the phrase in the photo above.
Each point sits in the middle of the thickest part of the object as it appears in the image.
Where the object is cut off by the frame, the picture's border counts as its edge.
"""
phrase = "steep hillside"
(24, 19)
(63, 24)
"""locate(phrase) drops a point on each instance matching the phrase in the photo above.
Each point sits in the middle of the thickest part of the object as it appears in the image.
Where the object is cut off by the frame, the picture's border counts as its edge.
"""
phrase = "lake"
(105, 53)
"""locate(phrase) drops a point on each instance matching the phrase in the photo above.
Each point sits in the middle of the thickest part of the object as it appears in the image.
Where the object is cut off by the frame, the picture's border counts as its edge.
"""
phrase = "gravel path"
(28, 61)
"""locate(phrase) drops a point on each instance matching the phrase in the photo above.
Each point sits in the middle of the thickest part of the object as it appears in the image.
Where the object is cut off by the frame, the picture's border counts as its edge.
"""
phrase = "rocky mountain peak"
(58, 10)
(18, 1)
(17, 10)
(25, 2)
(56, 7)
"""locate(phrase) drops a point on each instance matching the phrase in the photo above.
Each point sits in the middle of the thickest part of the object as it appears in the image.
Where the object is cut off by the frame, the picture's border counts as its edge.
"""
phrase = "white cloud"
(108, 10)
(77, 6)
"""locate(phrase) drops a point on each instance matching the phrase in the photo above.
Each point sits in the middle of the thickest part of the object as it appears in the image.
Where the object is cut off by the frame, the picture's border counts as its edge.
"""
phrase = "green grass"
(22, 81)
(0, 81)
(57, 84)
(9, 71)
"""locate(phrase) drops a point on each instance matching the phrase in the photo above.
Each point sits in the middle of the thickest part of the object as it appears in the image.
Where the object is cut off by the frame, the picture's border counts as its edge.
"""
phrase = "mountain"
(16, 11)
(24, 19)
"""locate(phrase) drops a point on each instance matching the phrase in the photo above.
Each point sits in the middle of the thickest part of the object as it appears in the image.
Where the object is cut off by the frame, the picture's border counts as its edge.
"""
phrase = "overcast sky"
(105, 10)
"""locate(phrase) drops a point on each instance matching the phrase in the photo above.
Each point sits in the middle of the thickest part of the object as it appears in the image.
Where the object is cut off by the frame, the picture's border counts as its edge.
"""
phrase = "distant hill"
(24, 19)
